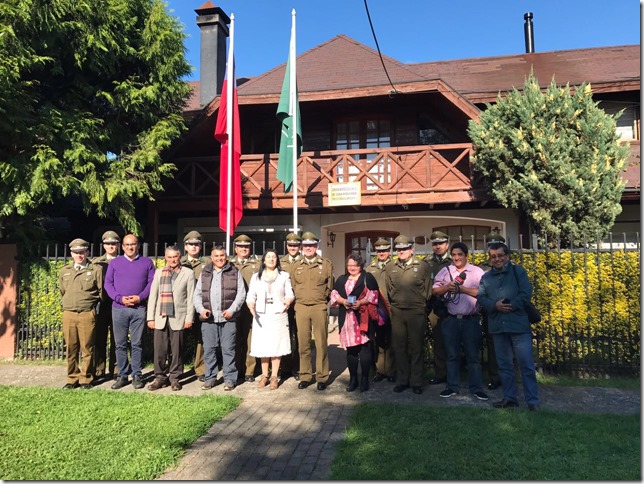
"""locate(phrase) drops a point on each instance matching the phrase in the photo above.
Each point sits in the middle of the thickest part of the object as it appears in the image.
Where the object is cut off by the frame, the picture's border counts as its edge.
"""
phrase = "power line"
(366, 7)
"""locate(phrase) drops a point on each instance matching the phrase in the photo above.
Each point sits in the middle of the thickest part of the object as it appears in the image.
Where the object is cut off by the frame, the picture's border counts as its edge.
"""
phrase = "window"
(358, 134)
(362, 242)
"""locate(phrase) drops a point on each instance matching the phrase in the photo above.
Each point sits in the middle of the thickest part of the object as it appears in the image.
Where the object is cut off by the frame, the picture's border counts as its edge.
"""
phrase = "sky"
(412, 31)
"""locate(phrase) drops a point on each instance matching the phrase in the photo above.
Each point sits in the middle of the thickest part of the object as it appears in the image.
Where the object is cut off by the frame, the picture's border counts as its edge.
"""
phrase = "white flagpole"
(229, 127)
(293, 109)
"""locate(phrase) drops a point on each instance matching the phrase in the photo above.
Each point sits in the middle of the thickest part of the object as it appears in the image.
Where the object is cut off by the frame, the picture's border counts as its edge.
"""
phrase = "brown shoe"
(274, 383)
(175, 386)
(263, 381)
(157, 384)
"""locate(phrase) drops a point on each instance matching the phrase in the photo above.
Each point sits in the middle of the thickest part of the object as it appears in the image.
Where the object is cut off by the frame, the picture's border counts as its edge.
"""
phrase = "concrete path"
(291, 434)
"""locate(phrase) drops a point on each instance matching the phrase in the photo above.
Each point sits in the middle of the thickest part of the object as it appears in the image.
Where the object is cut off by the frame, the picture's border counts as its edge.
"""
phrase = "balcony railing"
(388, 176)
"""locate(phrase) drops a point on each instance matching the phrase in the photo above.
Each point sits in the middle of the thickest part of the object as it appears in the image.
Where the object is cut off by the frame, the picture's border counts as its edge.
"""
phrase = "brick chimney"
(213, 24)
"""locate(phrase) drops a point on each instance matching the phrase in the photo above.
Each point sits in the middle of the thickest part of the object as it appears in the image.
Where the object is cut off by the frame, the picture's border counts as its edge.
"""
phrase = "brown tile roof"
(474, 78)
(344, 63)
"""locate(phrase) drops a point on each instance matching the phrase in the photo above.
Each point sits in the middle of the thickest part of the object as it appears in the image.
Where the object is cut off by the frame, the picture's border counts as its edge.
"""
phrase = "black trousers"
(168, 364)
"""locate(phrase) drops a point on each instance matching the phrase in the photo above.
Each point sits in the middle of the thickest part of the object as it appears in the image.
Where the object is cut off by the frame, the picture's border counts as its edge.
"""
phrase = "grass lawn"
(402, 442)
(55, 434)
(606, 382)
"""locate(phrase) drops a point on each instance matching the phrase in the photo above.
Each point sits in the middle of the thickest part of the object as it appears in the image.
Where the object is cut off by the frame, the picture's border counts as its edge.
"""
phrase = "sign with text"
(344, 194)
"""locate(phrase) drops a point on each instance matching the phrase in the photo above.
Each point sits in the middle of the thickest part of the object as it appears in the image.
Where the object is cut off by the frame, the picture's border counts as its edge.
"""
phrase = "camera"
(506, 301)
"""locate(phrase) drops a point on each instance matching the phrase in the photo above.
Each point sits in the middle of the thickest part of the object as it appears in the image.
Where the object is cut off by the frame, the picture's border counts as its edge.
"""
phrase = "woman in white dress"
(269, 296)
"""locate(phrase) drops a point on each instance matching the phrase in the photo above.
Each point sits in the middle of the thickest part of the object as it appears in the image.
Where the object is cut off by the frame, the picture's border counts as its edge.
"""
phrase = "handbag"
(439, 305)
(534, 316)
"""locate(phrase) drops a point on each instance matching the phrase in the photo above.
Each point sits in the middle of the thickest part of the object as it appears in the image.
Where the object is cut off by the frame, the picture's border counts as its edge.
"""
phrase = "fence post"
(8, 299)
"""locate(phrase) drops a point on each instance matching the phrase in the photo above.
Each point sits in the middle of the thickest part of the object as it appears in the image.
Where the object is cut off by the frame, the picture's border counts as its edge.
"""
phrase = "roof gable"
(339, 63)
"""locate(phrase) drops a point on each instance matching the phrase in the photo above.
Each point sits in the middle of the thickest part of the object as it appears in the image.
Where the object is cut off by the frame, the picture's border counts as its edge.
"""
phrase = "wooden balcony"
(388, 176)
(437, 174)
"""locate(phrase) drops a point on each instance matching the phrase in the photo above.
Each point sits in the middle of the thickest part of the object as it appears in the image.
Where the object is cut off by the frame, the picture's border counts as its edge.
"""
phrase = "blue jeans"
(521, 344)
(468, 332)
(223, 335)
(132, 320)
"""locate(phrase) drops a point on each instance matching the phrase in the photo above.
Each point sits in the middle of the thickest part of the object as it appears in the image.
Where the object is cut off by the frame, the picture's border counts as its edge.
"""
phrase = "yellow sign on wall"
(344, 194)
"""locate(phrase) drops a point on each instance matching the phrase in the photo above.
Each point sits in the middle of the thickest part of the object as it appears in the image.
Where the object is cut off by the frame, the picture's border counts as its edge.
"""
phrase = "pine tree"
(555, 156)
(91, 94)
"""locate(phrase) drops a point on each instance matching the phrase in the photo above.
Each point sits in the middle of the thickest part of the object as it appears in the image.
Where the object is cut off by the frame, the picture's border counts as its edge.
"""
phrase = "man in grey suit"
(170, 311)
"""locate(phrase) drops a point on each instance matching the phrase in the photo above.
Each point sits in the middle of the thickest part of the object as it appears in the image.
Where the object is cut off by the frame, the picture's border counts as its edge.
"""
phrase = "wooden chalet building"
(407, 145)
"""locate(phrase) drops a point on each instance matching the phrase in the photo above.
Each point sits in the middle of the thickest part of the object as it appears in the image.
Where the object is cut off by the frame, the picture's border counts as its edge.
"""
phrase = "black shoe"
(70, 386)
(493, 386)
(417, 390)
(437, 381)
(249, 378)
(321, 386)
(481, 395)
(201, 378)
(353, 384)
(533, 408)
(448, 392)
(303, 384)
(400, 388)
(296, 376)
(391, 379)
(379, 377)
(137, 382)
(85, 386)
(175, 386)
(120, 383)
(506, 404)
(364, 384)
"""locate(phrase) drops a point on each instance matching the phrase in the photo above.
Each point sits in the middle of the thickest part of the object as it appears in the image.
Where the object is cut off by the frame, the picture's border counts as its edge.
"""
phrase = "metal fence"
(600, 340)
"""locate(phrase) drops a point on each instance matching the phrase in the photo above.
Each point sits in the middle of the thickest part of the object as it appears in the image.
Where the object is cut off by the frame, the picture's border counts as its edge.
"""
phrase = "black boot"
(364, 383)
(353, 383)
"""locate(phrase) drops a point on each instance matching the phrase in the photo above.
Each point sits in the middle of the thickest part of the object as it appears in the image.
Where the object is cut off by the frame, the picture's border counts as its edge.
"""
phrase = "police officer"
(492, 366)
(385, 363)
(291, 364)
(192, 244)
(312, 279)
(81, 285)
(111, 241)
(247, 266)
(409, 287)
(437, 260)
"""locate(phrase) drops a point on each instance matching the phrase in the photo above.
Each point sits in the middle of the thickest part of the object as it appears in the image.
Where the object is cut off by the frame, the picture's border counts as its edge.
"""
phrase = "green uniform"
(291, 362)
(246, 364)
(385, 362)
(81, 291)
(312, 284)
(440, 355)
(199, 365)
(409, 287)
(103, 328)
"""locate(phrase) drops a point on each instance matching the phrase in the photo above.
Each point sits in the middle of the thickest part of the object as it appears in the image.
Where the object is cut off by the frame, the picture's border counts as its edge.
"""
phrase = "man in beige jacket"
(170, 311)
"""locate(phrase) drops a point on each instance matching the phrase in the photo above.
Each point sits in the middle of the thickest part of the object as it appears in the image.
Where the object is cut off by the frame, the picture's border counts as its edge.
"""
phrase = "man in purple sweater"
(127, 281)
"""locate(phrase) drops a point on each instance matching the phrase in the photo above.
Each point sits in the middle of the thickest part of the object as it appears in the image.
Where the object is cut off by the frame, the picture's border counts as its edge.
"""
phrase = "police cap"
(309, 238)
(493, 237)
(78, 245)
(438, 236)
(110, 237)
(382, 244)
(403, 242)
(192, 237)
(293, 239)
(243, 240)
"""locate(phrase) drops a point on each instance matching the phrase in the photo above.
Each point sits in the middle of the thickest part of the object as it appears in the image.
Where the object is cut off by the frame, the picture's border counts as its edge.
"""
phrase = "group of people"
(243, 310)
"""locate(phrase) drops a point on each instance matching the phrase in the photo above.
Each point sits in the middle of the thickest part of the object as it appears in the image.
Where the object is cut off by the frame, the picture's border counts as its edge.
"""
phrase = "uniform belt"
(465, 316)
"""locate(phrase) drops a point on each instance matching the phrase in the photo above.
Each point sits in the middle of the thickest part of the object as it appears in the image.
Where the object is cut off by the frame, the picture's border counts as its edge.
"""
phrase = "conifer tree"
(555, 156)
(91, 94)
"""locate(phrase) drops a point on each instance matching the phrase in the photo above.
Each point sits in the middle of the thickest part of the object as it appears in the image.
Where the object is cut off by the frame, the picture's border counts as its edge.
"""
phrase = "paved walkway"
(291, 434)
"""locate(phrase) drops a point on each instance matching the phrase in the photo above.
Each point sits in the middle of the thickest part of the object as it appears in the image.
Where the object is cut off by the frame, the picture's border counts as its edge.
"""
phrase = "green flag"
(287, 108)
